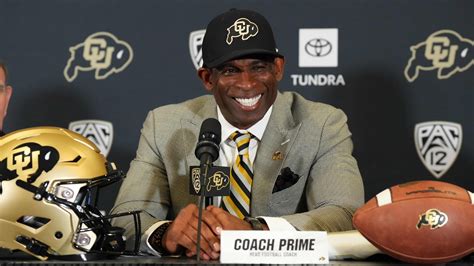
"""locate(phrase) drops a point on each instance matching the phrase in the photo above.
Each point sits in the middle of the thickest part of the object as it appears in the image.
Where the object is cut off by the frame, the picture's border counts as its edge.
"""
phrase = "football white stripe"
(472, 196)
(384, 197)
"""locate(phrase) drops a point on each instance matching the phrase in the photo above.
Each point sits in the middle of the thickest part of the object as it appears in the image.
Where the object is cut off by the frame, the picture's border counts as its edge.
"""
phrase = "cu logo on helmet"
(433, 218)
(29, 159)
(318, 47)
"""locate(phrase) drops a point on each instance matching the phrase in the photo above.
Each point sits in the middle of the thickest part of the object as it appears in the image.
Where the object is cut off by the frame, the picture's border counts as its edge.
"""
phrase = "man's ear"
(279, 63)
(205, 76)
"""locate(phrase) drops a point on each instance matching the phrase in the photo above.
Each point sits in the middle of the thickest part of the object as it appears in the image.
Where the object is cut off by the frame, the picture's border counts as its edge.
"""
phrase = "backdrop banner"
(402, 71)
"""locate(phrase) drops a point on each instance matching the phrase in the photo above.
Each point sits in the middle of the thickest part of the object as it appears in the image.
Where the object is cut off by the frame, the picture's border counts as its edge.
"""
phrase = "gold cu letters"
(439, 50)
(22, 157)
(242, 27)
(98, 53)
(218, 179)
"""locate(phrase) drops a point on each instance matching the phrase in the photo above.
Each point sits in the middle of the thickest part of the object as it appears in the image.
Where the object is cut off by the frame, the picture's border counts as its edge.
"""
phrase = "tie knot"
(242, 140)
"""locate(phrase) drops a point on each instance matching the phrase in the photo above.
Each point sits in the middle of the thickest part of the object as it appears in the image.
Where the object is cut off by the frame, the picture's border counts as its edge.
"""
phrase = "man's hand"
(182, 233)
(227, 220)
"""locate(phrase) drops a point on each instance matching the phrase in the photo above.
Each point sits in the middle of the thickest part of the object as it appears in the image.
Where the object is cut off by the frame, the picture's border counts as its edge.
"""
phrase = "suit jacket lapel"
(279, 136)
(191, 126)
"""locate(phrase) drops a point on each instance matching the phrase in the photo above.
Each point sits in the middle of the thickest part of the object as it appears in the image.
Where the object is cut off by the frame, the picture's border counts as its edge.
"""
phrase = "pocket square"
(285, 179)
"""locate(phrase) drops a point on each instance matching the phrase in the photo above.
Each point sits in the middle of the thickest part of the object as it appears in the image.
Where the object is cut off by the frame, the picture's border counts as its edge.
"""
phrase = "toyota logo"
(318, 47)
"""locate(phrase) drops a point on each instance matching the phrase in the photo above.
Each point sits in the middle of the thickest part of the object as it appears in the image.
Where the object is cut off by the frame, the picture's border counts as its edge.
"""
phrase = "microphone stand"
(202, 197)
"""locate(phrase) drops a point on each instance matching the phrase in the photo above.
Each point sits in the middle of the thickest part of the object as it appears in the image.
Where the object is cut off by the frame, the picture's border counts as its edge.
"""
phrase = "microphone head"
(209, 139)
(208, 127)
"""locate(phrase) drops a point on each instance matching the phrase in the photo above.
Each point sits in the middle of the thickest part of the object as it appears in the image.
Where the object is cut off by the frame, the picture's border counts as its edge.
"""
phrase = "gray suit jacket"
(312, 137)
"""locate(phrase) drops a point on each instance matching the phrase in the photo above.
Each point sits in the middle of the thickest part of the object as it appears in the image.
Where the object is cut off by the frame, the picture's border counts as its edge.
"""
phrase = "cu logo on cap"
(243, 28)
(318, 47)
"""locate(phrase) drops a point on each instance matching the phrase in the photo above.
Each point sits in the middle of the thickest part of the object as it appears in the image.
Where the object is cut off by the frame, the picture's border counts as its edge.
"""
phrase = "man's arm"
(146, 185)
(334, 189)
(146, 188)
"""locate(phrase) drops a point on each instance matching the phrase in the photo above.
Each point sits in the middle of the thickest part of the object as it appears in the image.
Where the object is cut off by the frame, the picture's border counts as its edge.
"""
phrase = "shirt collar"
(257, 129)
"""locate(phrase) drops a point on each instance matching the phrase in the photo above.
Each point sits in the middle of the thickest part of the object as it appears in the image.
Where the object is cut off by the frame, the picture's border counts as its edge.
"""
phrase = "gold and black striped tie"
(238, 203)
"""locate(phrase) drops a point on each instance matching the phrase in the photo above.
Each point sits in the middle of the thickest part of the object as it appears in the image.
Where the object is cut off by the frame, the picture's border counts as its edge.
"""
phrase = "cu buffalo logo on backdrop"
(438, 144)
(195, 47)
(445, 51)
(101, 52)
(101, 133)
(29, 159)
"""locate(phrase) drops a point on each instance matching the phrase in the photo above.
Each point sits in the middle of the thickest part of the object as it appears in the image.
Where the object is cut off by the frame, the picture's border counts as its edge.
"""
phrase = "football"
(420, 222)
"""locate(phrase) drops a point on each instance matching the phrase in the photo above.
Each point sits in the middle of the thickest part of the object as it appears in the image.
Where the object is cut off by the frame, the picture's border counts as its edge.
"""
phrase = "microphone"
(207, 148)
(207, 151)
(207, 180)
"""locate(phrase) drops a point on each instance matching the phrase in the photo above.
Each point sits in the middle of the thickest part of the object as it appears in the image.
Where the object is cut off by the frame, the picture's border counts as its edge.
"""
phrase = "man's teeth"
(249, 101)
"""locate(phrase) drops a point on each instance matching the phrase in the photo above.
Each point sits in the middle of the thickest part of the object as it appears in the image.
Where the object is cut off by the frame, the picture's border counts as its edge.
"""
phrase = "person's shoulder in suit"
(191, 106)
(303, 109)
(165, 121)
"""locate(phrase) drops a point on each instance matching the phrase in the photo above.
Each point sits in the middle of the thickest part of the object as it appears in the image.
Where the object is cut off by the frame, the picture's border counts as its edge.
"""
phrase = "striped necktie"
(238, 203)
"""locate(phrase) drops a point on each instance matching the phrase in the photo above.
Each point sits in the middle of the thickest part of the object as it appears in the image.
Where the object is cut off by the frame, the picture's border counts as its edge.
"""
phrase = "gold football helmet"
(47, 179)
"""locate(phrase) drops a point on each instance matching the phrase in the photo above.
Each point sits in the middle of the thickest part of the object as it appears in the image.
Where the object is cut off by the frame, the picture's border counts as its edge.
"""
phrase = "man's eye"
(228, 71)
(260, 68)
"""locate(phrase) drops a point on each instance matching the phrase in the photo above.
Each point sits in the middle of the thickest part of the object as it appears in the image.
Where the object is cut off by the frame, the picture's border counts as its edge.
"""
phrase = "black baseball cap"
(237, 33)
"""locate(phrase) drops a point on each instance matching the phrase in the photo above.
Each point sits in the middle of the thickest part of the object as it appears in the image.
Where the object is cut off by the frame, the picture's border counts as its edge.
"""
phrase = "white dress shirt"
(228, 153)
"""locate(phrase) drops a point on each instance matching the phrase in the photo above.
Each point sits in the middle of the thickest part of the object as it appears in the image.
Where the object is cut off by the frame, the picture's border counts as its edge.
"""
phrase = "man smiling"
(244, 88)
(291, 159)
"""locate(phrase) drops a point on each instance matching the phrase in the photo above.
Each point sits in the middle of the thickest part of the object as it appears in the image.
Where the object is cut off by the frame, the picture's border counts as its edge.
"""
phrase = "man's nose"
(247, 81)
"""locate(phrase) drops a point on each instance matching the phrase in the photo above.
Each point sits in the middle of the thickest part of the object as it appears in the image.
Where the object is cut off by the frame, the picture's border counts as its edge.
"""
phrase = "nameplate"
(274, 247)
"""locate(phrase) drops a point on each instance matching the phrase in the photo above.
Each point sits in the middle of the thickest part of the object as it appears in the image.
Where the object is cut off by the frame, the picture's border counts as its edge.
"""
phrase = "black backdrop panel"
(370, 44)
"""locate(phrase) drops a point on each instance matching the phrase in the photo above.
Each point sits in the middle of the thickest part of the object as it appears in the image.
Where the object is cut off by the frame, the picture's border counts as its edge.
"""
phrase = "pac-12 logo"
(445, 50)
(196, 179)
(102, 52)
(438, 144)
(101, 133)
(195, 47)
